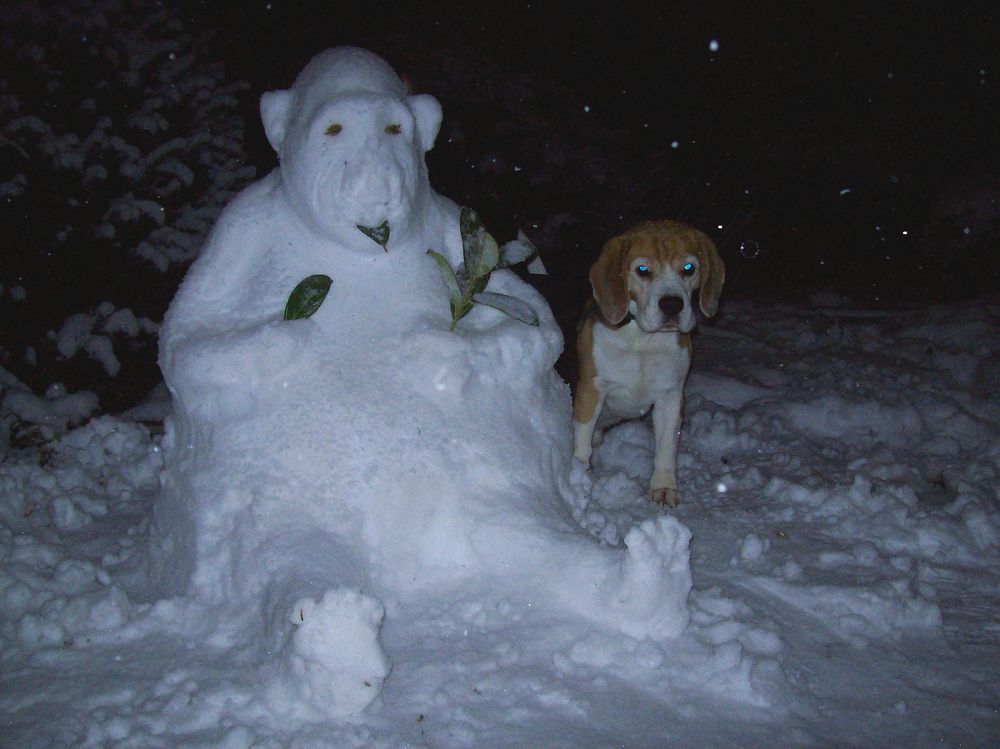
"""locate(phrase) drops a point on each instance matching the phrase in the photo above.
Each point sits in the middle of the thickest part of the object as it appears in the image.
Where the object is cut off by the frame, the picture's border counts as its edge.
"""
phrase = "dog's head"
(651, 271)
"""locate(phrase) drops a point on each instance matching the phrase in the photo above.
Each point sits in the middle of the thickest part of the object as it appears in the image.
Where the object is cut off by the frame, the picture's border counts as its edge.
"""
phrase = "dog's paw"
(665, 496)
(580, 476)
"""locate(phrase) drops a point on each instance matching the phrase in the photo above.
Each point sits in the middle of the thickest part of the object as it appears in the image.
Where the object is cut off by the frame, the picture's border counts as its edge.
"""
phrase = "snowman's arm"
(235, 358)
(225, 327)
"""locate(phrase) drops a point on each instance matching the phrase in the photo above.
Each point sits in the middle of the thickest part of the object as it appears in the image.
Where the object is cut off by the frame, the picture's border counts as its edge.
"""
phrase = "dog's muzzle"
(671, 306)
(671, 312)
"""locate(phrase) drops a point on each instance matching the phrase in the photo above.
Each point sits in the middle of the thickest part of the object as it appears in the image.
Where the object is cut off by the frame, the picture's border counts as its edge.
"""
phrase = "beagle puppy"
(634, 345)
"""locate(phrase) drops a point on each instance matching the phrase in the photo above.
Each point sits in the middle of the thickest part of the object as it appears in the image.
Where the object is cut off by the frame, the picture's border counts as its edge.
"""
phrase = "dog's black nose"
(671, 305)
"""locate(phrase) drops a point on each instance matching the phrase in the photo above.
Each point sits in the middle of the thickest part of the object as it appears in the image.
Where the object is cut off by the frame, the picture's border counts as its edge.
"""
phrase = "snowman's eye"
(334, 129)
(394, 129)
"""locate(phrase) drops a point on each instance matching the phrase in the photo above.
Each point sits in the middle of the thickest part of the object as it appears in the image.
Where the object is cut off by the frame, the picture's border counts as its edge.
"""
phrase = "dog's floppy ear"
(607, 277)
(713, 275)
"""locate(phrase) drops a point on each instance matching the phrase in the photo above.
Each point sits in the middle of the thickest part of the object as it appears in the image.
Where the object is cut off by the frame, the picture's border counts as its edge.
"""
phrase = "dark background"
(819, 136)
(837, 147)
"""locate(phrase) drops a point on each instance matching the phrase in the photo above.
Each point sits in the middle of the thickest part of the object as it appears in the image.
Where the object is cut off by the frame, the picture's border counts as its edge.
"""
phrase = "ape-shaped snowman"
(321, 472)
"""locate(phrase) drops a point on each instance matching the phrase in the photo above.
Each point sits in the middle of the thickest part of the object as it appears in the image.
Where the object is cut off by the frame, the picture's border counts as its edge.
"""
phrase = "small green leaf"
(460, 297)
(307, 297)
(469, 221)
(470, 286)
(478, 284)
(459, 310)
(490, 255)
(379, 234)
(481, 253)
(516, 308)
(454, 290)
(479, 248)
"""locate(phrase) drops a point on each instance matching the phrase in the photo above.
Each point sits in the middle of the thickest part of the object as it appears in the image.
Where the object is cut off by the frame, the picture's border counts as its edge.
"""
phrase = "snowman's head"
(351, 145)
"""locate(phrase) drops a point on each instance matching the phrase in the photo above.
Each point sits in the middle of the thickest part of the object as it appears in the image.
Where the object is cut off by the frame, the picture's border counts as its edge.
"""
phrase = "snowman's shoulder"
(249, 220)
(243, 234)
(238, 248)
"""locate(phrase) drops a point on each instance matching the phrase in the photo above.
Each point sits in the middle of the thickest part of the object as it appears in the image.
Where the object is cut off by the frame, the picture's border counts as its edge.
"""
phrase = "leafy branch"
(466, 284)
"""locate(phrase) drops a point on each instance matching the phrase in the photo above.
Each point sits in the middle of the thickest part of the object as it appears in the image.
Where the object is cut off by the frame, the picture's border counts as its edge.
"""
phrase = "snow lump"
(324, 473)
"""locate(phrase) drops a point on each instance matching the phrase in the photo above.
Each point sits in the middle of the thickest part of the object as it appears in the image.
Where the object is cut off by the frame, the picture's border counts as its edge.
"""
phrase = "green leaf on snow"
(307, 297)
(379, 234)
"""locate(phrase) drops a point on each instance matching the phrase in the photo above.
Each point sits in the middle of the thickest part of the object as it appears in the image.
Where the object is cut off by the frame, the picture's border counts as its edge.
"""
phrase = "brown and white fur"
(634, 347)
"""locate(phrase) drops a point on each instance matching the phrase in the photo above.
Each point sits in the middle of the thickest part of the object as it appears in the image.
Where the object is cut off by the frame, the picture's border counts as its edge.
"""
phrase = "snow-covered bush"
(120, 144)
(29, 420)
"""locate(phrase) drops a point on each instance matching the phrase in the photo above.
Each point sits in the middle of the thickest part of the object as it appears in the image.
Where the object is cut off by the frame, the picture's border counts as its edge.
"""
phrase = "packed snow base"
(839, 477)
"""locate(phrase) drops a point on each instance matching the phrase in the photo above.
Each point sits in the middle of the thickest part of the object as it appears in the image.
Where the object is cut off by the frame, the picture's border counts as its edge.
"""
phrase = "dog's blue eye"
(642, 270)
(688, 269)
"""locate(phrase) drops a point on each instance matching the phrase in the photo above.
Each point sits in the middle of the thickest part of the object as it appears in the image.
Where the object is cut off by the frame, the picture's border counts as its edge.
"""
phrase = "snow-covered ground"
(839, 474)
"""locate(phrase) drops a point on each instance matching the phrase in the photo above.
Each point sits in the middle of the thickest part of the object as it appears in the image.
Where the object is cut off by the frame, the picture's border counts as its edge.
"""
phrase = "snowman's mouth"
(378, 234)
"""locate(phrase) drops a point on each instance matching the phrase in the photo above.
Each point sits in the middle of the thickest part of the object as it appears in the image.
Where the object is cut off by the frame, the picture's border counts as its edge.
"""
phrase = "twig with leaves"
(467, 284)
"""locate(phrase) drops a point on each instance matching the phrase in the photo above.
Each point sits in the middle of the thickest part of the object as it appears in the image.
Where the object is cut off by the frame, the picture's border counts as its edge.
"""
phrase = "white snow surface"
(361, 529)
(845, 576)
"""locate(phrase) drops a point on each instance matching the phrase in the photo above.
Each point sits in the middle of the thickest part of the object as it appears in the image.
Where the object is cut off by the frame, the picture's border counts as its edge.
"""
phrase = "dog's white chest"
(635, 368)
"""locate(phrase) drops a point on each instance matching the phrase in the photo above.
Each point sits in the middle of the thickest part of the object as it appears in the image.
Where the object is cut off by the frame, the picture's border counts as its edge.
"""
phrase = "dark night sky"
(828, 71)
(845, 122)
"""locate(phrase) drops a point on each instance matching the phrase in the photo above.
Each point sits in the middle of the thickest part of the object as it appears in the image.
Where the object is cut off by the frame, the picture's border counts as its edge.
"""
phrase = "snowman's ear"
(275, 107)
(427, 113)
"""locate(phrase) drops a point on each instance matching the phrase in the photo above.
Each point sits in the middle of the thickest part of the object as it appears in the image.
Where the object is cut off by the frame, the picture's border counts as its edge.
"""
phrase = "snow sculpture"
(324, 471)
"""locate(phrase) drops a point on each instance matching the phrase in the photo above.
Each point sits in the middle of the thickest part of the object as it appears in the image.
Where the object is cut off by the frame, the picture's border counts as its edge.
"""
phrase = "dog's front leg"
(666, 431)
(583, 431)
